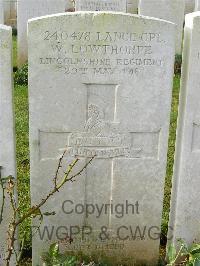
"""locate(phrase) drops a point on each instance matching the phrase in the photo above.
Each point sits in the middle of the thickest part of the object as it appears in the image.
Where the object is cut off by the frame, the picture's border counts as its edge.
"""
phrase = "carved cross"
(103, 138)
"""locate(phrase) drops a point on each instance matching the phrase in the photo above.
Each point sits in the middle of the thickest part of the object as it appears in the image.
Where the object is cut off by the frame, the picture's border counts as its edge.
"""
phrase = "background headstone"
(189, 6)
(96, 81)
(132, 6)
(10, 12)
(100, 5)
(185, 208)
(1, 12)
(7, 139)
(170, 10)
(27, 9)
(69, 6)
(197, 5)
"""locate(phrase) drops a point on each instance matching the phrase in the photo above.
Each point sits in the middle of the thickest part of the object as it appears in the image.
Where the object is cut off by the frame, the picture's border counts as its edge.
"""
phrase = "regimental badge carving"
(100, 138)
(95, 125)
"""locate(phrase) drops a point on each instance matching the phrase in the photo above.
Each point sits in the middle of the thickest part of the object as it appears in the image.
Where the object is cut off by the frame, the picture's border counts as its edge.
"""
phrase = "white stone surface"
(27, 9)
(96, 84)
(189, 6)
(185, 208)
(100, 5)
(1, 12)
(197, 5)
(170, 10)
(132, 6)
(7, 142)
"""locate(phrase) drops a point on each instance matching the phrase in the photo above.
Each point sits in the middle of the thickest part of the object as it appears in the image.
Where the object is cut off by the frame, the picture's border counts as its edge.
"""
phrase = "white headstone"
(1, 12)
(100, 5)
(197, 5)
(27, 9)
(185, 208)
(189, 6)
(7, 142)
(170, 10)
(96, 81)
(132, 6)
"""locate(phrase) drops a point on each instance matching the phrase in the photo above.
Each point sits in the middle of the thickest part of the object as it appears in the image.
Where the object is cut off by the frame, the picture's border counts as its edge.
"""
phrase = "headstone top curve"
(4, 27)
(99, 13)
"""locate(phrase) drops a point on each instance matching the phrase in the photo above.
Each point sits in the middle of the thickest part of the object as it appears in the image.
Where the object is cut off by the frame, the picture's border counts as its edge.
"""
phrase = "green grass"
(171, 150)
(22, 152)
(22, 149)
(21, 113)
